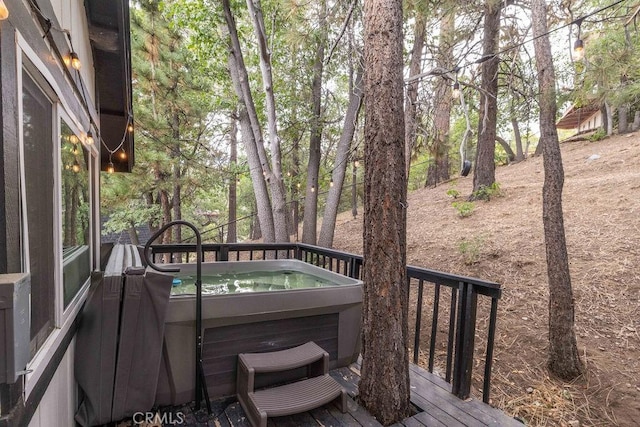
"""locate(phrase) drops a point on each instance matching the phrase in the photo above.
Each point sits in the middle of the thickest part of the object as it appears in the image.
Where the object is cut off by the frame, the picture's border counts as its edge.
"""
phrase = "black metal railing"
(459, 316)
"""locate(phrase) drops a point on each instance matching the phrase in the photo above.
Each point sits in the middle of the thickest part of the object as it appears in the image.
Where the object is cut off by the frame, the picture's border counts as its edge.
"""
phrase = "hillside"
(503, 241)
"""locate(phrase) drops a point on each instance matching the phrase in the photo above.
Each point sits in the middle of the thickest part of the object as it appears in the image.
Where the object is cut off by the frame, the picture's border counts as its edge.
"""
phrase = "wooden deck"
(430, 395)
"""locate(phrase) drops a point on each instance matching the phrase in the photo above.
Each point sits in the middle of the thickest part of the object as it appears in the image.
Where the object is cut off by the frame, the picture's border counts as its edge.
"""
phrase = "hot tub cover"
(119, 342)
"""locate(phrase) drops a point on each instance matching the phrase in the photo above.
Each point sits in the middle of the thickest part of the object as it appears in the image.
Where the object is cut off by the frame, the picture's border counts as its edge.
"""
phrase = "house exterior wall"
(46, 396)
(594, 121)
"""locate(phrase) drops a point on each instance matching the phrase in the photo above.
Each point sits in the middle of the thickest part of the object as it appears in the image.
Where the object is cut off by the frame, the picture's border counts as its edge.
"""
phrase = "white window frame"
(63, 319)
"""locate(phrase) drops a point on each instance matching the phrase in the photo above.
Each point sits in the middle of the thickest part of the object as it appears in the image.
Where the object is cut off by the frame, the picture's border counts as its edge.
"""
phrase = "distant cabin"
(582, 119)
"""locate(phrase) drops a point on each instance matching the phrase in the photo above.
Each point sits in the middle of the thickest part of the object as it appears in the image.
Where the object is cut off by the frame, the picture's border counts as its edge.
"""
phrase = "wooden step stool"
(316, 390)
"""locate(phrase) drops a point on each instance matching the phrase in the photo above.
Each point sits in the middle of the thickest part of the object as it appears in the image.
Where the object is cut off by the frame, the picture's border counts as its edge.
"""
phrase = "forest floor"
(503, 241)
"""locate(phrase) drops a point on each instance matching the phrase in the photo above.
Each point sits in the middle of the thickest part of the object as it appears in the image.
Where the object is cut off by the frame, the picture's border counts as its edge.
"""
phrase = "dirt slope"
(503, 241)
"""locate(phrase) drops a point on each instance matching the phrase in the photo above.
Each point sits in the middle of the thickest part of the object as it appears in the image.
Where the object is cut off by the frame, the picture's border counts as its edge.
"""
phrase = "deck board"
(429, 393)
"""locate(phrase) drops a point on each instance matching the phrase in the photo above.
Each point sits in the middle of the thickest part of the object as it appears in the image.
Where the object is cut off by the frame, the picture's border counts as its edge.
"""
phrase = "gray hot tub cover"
(119, 345)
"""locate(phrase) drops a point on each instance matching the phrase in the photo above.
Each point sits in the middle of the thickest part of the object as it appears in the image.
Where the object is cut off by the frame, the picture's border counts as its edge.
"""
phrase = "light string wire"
(92, 124)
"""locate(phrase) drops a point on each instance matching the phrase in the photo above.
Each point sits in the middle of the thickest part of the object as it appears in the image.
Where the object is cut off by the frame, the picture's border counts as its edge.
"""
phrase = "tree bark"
(176, 200)
(484, 172)
(623, 119)
(438, 171)
(232, 234)
(516, 134)
(272, 174)
(563, 359)
(636, 121)
(511, 156)
(250, 129)
(608, 118)
(340, 165)
(309, 228)
(410, 105)
(384, 386)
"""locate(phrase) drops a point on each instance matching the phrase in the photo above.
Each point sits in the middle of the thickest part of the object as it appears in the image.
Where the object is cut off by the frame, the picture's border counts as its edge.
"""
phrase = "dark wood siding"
(222, 345)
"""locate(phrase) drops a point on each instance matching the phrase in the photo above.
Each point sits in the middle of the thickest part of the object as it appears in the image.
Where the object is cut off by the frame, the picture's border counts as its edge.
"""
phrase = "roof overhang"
(576, 115)
(109, 32)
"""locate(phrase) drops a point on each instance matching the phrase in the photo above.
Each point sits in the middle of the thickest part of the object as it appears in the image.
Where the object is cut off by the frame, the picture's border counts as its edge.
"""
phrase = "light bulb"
(356, 164)
(331, 183)
(455, 92)
(4, 12)
(110, 168)
(578, 50)
(76, 166)
(122, 154)
(75, 61)
(130, 127)
(313, 188)
(89, 140)
(73, 139)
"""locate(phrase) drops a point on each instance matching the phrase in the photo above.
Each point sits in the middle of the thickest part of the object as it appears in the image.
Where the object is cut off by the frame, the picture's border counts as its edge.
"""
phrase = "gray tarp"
(119, 342)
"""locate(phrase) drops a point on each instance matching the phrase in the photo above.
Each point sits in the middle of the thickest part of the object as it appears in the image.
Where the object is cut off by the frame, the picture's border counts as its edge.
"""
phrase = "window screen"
(37, 113)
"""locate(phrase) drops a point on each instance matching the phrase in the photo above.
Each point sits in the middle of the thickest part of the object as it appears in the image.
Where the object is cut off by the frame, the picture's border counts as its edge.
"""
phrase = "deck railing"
(459, 316)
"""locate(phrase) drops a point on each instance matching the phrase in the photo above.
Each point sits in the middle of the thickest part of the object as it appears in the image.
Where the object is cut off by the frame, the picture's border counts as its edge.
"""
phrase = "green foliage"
(464, 209)
(471, 249)
(452, 192)
(598, 135)
(487, 192)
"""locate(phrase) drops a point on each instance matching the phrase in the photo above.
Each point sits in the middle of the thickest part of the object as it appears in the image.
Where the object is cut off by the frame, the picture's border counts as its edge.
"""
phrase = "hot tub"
(270, 314)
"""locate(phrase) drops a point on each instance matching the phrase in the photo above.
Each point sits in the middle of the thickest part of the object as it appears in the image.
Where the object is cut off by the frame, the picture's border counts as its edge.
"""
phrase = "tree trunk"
(232, 234)
(516, 134)
(608, 118)
(273, 174)
(354, 191)
(563, 359)
(177, 174)
(384, 386)
(410, 105)
(623, 119)
(636, 121)
(507, 148)
(133, 235)
(309, 229)
(438, 171)
(340, 164)
(250, 129)
(484, 172)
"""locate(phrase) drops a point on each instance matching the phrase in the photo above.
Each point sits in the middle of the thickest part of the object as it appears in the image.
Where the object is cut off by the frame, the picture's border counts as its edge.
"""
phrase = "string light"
(76, 166)
(356, 163)
(455, 92)
(578, 50)
(578, 46)
(4, 12)
(110, 168)
(313, 188)
(122, 154)
(89, 140)
(130, 127)
(331, 183)
(75, 61)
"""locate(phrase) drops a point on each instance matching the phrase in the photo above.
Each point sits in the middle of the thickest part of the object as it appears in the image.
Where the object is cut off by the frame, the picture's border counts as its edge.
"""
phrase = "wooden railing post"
(465, 335)
(224, 253)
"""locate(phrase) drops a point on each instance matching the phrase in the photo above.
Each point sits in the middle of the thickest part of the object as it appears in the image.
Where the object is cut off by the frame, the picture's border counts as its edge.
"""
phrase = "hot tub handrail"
(200, 379)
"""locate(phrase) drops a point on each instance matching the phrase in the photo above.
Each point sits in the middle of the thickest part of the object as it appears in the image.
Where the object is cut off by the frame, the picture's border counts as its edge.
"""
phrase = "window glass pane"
(76, 258)
(37, 119)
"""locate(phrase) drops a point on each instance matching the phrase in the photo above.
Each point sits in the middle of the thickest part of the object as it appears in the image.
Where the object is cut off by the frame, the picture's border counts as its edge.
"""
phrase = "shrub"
(464, 209)
(487, 192)
(452, 192)
(470, 249)
(598, 135)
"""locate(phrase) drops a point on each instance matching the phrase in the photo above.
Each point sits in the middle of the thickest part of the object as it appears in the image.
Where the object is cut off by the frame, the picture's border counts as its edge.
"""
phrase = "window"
(76, 213)
(57, 206)
(37, 118)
